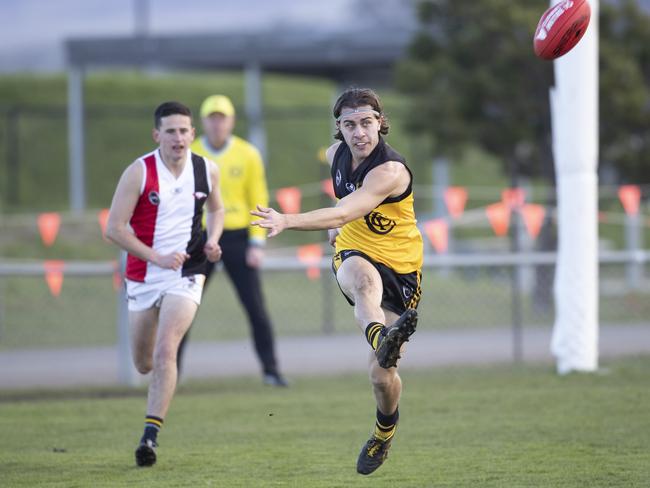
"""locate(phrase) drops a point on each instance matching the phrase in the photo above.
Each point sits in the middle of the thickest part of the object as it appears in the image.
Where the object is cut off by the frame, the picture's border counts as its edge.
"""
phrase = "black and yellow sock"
(372, 333)
(152, 426)
(385, 425)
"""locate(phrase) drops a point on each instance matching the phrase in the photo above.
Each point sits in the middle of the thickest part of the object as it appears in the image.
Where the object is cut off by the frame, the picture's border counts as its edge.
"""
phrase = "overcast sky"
(32, 31)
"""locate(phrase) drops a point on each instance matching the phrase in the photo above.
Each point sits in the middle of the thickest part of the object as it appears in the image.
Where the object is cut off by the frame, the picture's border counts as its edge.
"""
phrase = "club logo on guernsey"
(338, 177)
(379, 223)
(154, 198)
(350, 187)
(408, 293)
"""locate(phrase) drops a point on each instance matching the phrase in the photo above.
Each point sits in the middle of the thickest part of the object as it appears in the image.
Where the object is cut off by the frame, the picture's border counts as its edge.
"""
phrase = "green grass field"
(118, 126)
(119, 106)
(460, 427)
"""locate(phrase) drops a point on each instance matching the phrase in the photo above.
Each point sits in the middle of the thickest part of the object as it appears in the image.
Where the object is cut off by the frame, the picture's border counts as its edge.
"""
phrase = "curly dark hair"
(357, 97)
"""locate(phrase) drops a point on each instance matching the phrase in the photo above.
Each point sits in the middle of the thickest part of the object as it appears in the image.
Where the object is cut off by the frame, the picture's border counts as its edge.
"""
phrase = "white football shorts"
(142, 296)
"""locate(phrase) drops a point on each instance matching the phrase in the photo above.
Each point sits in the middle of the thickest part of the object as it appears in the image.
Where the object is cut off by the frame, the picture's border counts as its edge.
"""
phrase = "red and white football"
(561, 27)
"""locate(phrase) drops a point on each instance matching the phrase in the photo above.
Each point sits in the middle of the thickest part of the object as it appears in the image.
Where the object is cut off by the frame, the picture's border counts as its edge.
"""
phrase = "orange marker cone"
(513, 197)
(437, 231)
(54, 275)
(289, 199)
(118, 279)
(499, 216)
(311, 254)
(630, 196)
(102, 218)
(455, 199)
(48, 226)
(533, 218)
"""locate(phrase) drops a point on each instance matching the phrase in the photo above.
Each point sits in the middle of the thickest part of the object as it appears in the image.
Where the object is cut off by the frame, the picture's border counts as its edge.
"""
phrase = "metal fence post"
(328, 303)
(13, 157)
(127, 375)
(633, 243)
(516, 275)
(76, 177)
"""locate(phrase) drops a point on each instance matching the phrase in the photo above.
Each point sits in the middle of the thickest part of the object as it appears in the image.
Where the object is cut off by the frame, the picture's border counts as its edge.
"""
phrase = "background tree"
(473, 78)
(624, 90)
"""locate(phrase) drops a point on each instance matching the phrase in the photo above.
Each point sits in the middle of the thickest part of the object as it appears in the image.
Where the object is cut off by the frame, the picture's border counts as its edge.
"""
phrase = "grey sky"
(32, 31)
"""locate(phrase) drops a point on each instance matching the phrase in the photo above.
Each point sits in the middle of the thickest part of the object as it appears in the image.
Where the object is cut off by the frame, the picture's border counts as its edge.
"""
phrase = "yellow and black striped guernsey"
(388, 234)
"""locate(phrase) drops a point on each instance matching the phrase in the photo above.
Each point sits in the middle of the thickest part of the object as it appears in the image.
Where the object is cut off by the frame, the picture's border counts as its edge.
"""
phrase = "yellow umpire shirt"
(243, 182)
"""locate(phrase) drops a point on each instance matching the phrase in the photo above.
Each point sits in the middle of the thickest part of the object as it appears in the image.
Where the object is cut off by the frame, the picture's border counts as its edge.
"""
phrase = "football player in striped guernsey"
(156, 217)
(379, 249)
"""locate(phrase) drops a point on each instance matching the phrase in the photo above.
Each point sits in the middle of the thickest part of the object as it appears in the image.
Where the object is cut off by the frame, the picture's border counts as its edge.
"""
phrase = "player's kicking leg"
(392, 338)
(387, 387)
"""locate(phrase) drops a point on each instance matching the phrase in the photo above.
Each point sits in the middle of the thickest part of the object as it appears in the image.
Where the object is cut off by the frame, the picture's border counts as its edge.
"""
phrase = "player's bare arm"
(389, 179)
(118, 231)
(215, 213)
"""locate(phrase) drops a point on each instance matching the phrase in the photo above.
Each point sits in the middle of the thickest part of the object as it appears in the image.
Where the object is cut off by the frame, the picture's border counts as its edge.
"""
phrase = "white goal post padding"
(574, 111)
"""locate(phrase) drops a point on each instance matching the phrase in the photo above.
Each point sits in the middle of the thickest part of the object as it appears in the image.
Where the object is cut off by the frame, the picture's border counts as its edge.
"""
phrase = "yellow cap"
(217, 103)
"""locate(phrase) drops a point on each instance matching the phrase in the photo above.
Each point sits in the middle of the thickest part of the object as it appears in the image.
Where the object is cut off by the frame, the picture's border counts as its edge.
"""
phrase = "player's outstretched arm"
(380, 183)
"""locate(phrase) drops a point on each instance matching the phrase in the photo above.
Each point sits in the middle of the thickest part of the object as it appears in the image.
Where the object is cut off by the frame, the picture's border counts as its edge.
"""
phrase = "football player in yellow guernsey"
(243, 184)
(379, 249)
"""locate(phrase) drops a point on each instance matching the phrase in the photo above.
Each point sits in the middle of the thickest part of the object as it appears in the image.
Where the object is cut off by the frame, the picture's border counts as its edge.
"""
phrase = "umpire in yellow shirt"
(243, 184)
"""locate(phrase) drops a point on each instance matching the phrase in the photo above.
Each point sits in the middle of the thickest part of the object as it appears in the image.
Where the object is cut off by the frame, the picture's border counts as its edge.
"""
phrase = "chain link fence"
(459, 292)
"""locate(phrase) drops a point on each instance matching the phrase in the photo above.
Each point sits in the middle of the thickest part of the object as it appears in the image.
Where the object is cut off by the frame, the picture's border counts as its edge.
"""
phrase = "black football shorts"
(401, 291)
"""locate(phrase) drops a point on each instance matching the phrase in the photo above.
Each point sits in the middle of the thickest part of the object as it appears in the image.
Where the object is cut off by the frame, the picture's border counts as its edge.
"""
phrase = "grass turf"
(490, 427)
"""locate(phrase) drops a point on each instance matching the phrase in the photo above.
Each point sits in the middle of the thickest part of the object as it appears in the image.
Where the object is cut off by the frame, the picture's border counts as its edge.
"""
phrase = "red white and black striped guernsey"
(168, 216)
